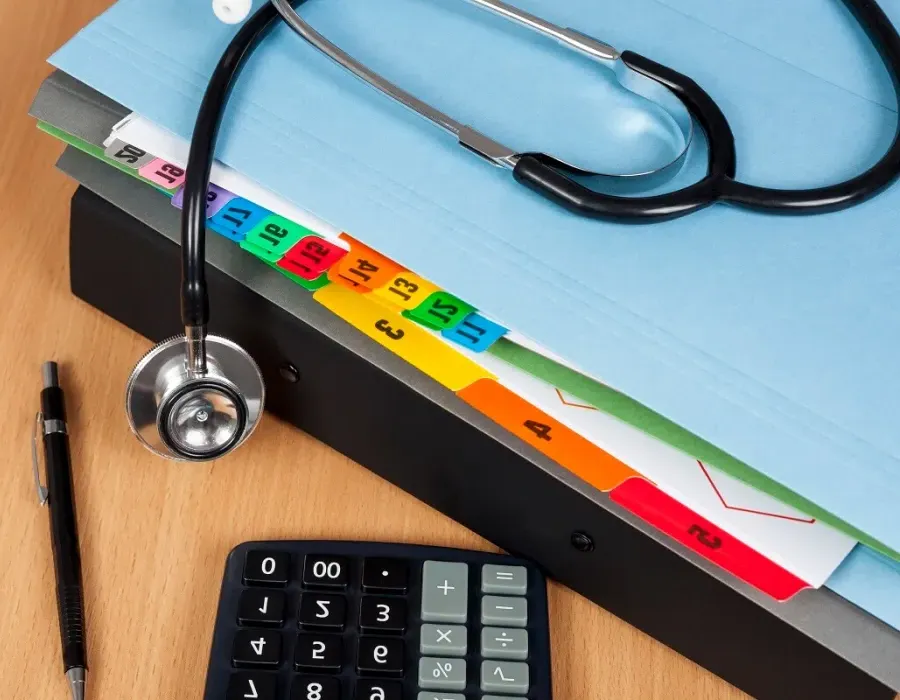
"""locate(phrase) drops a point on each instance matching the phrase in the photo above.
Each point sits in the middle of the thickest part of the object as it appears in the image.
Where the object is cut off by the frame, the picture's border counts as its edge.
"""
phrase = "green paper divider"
(628, 410)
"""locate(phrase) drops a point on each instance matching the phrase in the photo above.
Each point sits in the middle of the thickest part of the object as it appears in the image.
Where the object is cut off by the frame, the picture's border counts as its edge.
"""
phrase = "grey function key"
(504, 677)
(507, 580)
(497, 643)
(431, 695)
(445, 591)
(443, 640)
(442, 674)
(504, 611)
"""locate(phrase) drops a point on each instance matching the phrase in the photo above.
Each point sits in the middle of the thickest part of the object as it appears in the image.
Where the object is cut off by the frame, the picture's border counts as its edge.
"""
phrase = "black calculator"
(316, 620)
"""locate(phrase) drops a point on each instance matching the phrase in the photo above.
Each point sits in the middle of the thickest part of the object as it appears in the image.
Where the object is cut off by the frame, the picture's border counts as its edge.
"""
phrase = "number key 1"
(251, 686)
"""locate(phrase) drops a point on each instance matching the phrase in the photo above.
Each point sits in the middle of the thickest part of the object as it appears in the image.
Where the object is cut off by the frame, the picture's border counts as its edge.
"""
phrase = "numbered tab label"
(130, 156)
(160, 172)
(216, 198)
(402, 336)
(679, 522)
(363, 267)
(475, 333)
(561, 444)
(312, 256)
(237, 218)
(441, 311)
(406, 290)
(284, 267)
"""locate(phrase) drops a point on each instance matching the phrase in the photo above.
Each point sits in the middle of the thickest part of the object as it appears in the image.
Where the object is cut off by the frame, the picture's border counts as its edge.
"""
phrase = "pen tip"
(50, 374)
(76, 678)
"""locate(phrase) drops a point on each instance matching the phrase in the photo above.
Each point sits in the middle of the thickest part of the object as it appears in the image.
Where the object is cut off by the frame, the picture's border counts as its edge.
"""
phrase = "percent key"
(442, 674)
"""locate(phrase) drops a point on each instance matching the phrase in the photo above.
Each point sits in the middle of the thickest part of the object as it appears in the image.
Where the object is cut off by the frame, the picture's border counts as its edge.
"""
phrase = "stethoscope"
(197, 397)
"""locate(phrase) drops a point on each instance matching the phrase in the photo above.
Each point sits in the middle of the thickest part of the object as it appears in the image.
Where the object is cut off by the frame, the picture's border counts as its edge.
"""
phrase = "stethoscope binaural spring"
(197, 397)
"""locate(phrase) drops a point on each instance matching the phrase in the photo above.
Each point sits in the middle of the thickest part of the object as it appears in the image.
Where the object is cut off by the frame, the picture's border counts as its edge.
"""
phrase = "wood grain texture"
(155, 535)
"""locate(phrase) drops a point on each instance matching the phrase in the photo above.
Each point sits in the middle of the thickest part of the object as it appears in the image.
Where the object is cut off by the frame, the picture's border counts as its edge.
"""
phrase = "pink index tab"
(166, 175)
(216, 198)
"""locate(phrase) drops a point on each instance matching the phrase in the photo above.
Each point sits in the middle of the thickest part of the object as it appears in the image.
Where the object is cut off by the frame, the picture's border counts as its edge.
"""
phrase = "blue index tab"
(237, 218)
(475, 333)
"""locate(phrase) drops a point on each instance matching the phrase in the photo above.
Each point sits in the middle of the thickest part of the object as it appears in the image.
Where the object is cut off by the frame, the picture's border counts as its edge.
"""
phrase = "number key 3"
(381, 614)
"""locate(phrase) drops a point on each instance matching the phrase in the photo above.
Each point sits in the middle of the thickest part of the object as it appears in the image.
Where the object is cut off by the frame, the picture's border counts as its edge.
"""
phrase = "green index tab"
(272, 237)
(440, 311)
(311, 285)
(615, 403)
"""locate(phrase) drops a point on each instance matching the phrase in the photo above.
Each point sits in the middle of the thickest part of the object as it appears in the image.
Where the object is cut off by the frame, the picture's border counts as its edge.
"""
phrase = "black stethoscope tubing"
(545, 174)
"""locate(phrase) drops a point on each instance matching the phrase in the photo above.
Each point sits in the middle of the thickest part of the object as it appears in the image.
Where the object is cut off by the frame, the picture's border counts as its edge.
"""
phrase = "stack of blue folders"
(773, 338)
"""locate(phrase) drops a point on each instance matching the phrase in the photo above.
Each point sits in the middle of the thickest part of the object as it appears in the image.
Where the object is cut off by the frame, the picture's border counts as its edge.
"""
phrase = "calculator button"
(319, 652)
(443, 640)
(378, 690)
(261, 608)
(244, 686)
(377, 655)
(316, 688)
(388, 575)
(504, 677)
(427, 695)
(322, 611)
(507, 580)
(504, 612)
(256, 648)
(445, 591)
(442, 674)
(325, 572)
(498, 697)
(381, 614)
(267, 568)
(499, 643)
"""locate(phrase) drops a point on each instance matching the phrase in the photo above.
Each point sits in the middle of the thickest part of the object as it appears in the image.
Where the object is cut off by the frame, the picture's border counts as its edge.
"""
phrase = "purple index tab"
(216, 198)
(475, 332)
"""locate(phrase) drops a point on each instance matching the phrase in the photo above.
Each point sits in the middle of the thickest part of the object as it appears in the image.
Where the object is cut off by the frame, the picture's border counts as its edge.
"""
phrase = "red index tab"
(711, 542)
(363, 267)
(311, 256)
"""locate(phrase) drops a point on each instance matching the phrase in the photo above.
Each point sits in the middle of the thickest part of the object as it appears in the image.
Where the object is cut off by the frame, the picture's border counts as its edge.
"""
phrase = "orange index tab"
(402, 336)
(364, 267)
(406, 290)
(561, 444)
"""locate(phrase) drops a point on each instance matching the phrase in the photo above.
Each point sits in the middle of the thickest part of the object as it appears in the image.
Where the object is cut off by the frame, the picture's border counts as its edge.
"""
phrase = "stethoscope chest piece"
(182, 415)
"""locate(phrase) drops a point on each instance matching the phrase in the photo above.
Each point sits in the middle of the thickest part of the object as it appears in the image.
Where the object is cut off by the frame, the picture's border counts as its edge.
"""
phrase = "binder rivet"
(289, 373)
(582, 541)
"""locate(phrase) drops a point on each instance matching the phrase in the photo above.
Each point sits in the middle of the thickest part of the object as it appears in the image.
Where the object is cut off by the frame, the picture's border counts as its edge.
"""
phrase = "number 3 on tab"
(385, 328)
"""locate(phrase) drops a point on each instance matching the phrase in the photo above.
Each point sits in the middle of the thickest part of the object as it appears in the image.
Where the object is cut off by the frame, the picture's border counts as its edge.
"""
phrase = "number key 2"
(267, 568)
(325, 572)
(316, 688)
(257, 648)
(322, 611)
(382, 614)
(252, 686)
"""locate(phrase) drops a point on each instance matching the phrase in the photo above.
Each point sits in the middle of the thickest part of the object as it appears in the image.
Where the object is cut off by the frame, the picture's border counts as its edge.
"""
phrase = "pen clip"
(42, 492)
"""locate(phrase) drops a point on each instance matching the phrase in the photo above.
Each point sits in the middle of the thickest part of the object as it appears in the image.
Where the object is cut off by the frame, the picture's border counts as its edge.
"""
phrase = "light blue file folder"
(774, 338)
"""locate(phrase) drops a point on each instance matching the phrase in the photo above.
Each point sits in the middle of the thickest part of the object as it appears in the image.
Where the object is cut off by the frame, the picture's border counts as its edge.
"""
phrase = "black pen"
(59, 494)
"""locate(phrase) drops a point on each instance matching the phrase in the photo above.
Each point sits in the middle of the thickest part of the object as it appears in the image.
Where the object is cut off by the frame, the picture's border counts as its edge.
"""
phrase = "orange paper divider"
(561, 444)
(363, 266)
(710, 541)
(402, 336)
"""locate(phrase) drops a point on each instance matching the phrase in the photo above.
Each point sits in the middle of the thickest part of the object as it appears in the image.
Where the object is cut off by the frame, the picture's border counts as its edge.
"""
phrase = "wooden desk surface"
(154, 534)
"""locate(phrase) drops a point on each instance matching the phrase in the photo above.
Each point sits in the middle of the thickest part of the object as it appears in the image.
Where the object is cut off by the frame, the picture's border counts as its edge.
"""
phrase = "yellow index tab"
(406, 290)
(403, 337)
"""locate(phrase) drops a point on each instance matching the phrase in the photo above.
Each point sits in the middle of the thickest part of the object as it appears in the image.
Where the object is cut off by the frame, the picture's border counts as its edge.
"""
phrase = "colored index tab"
(561, 444)
(363, 267)
(402, 336)
(130, 156)
(237, 218)
(274, 236)
(709, 541)
(475, 333)
(441, 311)
(406, 290)
(216, 198)
(312, 256)
(166, 175)
(311, 285)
